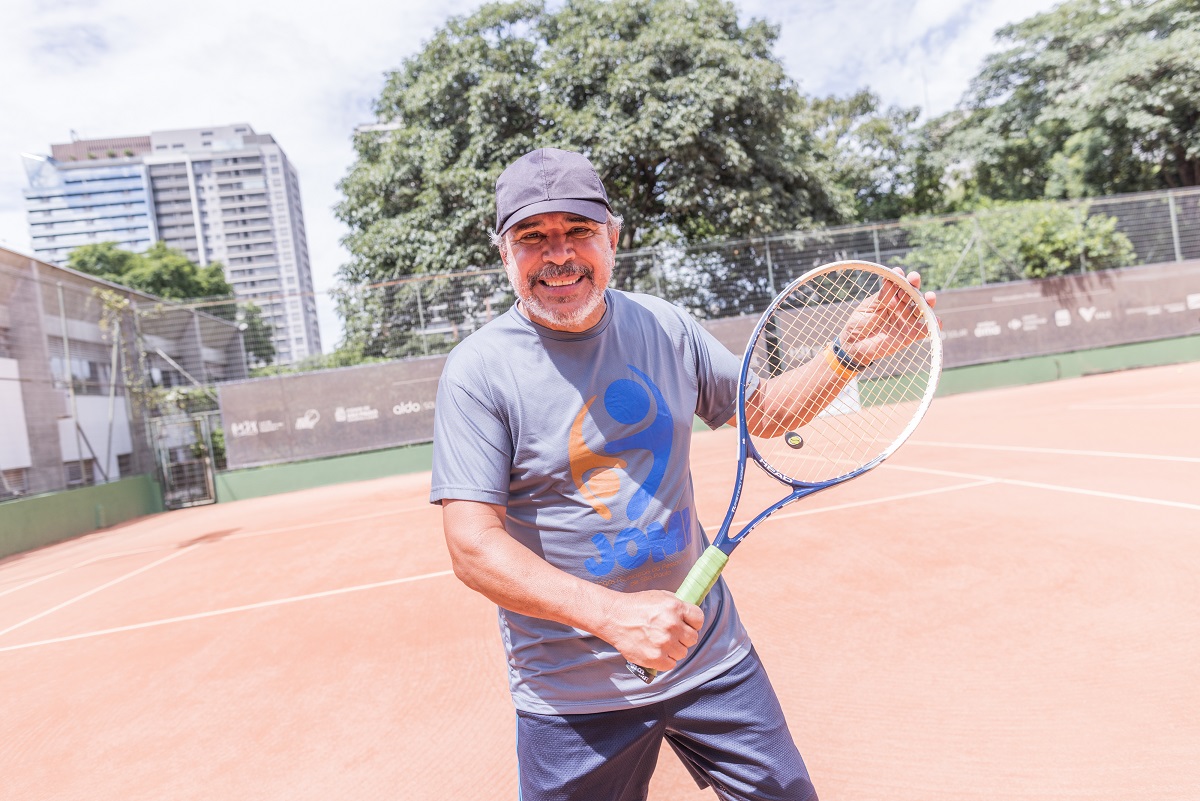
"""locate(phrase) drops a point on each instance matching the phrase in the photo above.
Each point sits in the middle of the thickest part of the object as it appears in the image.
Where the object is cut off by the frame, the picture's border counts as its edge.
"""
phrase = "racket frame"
(746, 447)
(708, 567)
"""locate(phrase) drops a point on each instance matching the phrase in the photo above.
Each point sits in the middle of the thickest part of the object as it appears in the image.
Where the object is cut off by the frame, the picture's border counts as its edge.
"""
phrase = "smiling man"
(561, 461)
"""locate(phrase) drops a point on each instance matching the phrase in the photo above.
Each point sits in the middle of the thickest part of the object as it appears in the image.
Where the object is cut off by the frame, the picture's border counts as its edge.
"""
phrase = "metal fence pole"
(1174, 226)
(69, 374)
(421, 318)
(1080, 220)
(770, 268)
(978, 244)
(656, 260)
(199, 345)
(875, 238)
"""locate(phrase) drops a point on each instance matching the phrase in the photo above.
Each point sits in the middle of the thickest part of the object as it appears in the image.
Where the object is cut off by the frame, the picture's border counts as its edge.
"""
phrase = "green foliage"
(161, 271)
(1008, 241)
(1093, 97)
(881, 155)
(257, 333)
(342, 357)
(200, 450)
(169, 274)
(688, 116)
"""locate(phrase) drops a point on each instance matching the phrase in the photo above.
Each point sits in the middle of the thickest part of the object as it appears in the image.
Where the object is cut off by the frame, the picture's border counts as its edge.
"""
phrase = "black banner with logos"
(1016, 320)
(327, 413)
(312, 415)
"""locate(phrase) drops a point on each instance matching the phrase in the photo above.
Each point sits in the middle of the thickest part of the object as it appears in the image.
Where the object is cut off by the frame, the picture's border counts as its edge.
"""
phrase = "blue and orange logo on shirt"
(598, 475)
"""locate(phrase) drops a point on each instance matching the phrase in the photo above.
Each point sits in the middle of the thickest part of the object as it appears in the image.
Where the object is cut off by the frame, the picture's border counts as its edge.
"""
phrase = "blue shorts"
(729, 732)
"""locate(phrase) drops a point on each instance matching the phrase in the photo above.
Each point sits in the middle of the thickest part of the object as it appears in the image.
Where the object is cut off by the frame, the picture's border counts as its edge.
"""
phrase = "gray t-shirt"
(585, 439)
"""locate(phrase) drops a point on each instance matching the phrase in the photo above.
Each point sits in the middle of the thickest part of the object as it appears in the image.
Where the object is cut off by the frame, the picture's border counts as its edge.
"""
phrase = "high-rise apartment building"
(223, 194)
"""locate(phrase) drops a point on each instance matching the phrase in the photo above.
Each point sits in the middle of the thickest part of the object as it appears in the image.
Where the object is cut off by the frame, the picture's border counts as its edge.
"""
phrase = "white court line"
(1057, 451)
(1131, 407)
(228, 611)
(36, 580)
(1055, 487)
(95, 590)
(873, 501)
(235, 536)
(338, 521)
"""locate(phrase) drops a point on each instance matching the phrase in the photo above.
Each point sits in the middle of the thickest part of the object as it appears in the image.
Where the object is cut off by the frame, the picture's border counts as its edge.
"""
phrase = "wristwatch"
(844, 358)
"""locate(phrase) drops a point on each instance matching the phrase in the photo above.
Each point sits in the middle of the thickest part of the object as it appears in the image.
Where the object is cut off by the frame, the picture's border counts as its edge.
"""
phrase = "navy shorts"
(729, 732)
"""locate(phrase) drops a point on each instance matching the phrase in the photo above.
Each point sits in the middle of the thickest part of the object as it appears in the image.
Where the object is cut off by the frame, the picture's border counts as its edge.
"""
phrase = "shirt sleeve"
(472, 445)
(717, 374)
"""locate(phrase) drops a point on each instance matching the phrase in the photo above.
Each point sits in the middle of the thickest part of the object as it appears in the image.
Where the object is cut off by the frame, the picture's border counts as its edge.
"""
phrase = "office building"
(219, 194)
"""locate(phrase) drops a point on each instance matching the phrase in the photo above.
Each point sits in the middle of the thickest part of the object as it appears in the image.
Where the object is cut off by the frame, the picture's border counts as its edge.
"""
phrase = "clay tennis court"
(1007, 609)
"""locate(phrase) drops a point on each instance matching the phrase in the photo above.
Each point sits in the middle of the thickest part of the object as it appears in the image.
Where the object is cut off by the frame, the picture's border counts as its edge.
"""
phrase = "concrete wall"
(29, 523)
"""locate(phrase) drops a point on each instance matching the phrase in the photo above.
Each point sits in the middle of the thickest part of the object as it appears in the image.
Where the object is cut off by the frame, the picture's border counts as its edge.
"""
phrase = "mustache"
(568, 269)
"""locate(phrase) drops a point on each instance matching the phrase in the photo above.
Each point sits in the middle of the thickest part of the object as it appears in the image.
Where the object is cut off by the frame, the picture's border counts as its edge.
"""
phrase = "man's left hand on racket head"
(882, 325)
(885, 323)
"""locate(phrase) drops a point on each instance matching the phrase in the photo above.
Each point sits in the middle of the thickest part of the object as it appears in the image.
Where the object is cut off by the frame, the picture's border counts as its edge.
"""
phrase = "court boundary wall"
(30, 523)
(255, 482)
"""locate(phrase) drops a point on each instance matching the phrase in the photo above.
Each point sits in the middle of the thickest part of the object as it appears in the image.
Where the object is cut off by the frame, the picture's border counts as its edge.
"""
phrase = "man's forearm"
(488, 560)
(794, 398)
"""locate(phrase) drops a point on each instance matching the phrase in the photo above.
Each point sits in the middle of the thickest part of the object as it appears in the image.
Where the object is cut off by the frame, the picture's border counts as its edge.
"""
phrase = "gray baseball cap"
(549, 180)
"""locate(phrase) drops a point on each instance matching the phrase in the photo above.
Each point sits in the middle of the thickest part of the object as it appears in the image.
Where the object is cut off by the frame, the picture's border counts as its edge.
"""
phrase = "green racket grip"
(700, 579)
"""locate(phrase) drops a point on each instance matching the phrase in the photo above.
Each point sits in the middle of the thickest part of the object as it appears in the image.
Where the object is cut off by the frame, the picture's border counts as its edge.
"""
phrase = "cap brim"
(592, 209)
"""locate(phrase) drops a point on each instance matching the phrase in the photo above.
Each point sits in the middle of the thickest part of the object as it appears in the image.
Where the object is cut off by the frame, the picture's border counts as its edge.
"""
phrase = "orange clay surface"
(1008, 609)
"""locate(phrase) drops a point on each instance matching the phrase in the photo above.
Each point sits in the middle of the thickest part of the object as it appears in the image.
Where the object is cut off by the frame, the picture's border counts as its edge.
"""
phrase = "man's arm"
(653, 629)
(880, 326)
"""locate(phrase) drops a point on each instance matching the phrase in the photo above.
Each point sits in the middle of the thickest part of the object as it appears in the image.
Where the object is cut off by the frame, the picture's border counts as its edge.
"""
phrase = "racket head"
(878, 409)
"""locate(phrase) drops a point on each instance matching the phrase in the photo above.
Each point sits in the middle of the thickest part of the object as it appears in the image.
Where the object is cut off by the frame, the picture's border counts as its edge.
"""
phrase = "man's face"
(560, 264)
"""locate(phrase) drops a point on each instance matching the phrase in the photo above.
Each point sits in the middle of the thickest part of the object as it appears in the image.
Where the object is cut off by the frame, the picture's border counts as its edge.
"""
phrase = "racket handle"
(700, 579)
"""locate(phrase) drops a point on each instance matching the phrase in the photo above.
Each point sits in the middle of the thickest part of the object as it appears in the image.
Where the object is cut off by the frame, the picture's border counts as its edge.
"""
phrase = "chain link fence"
(426, 315)
(99, 382)
(87, 367)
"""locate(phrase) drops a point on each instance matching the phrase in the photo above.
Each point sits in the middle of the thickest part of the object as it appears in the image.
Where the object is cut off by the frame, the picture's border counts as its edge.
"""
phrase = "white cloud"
(308, 72)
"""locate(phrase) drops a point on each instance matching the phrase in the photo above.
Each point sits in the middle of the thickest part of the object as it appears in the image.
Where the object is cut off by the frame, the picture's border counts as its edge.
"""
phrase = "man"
(561, 460)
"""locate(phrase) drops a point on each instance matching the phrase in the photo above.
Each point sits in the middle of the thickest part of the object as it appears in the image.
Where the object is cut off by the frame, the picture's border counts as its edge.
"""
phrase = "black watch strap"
(844, 358)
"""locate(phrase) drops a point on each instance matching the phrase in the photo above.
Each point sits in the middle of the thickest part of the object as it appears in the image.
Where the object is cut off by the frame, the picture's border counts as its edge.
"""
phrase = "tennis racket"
(828, 417)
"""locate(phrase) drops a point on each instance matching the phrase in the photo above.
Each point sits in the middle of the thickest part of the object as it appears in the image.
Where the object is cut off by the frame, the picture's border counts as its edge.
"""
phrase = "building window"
(80, 473)
(14, 482)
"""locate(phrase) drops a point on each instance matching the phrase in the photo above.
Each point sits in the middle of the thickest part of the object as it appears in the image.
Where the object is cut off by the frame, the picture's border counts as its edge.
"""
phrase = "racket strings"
(842, 431)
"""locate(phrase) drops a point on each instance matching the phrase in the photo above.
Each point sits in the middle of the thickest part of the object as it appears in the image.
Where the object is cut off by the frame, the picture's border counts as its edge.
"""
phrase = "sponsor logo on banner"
(1027, 322)
(412, 407)
(252, 428)
(355, 414)
(988, 328)
(308, 421)
(1090, 313)
(1062, 318)
(1149, 311)
(244, 428)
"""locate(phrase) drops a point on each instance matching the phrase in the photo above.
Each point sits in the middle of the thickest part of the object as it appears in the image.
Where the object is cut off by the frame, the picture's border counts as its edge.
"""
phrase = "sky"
(308, 72)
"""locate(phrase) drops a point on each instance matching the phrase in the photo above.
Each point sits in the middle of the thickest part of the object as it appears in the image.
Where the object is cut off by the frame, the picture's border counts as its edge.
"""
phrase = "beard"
(559, 313)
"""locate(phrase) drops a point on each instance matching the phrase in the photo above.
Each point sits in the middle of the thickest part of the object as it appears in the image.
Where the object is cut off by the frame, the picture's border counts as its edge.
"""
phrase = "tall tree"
(688, 116)
(1093, 97)
(881, 155)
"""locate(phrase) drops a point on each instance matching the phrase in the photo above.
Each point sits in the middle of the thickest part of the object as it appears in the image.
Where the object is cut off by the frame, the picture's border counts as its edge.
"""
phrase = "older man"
(561, 460)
